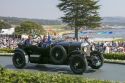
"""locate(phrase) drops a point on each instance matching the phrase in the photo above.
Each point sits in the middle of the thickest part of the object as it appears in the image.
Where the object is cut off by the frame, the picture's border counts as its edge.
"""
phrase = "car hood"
(65, 43)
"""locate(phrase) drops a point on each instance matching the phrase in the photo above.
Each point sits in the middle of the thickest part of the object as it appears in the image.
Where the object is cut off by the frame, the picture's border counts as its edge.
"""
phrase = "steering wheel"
(36, 36)
(36, 39)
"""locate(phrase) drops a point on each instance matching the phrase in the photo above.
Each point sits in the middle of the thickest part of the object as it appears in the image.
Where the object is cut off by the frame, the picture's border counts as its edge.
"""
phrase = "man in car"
(46, 41)
(28, 41)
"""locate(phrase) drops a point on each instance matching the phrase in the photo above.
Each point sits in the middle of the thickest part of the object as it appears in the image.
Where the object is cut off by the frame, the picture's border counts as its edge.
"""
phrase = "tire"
(96, 60)
(58, 54)
(78, 64)
(19, 60)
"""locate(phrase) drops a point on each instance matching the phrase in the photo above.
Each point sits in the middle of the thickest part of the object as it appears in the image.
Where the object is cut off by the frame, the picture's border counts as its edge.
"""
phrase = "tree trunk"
(76, 33)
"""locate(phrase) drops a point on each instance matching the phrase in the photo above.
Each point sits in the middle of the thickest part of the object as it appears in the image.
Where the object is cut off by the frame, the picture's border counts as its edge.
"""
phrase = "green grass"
(57, 28)
(6, 50)
(121, 40)
(54, 26)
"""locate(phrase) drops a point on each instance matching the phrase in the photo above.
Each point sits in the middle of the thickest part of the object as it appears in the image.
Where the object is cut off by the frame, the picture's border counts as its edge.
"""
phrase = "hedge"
(115, 56)
(10, 76)
(6, 50)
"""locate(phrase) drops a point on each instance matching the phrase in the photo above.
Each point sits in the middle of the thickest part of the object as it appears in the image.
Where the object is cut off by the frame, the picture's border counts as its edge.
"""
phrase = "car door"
(34, 53)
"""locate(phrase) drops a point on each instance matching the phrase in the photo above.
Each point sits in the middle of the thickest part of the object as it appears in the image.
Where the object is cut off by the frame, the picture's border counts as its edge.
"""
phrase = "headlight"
(85, 49)
(93, 48)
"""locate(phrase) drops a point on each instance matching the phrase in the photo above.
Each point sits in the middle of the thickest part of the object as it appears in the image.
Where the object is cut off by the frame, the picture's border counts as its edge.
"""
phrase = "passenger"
(28, 41)
(49, 39)
(46, 41)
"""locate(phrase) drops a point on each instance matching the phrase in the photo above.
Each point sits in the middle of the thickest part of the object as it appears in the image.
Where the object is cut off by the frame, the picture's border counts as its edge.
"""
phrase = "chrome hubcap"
(96, 61)
(57, 54)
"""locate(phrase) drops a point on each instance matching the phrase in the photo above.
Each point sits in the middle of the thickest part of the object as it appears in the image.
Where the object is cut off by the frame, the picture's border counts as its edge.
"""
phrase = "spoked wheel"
(78, 64)
(58, 54)
(96, 60)
(19, 60)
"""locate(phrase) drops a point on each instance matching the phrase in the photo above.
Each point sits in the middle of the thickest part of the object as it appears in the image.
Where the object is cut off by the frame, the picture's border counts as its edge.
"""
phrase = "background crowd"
(105, 46)
(9, 42)
(111, 46)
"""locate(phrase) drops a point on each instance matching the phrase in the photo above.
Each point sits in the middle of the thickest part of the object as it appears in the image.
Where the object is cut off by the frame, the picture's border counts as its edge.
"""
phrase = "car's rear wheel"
(19, 60)
(78, 64)
(58, 54)
(96, 60)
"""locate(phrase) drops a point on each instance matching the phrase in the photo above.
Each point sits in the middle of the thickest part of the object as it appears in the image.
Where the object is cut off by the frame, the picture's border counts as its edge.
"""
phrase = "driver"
(46, 41)
(86, 40)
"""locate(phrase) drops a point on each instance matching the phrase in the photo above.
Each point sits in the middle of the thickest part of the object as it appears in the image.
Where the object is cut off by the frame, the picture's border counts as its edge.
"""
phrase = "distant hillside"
(106, 20)
(17, 21)
(114, 21)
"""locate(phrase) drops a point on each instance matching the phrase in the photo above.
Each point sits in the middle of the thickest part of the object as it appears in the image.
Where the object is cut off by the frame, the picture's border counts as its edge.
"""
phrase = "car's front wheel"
(96, 60)
(78, 64)
(19, 60)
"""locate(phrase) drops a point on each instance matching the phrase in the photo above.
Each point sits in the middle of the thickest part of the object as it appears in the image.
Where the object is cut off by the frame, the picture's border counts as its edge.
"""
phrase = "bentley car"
(77, 55)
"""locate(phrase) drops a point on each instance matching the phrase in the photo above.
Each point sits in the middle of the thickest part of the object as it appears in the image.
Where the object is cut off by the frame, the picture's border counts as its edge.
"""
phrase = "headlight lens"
(93, 48)
(85, 49)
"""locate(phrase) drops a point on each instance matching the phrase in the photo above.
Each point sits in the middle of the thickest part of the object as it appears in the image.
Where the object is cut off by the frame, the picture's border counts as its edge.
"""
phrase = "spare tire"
(58, 54)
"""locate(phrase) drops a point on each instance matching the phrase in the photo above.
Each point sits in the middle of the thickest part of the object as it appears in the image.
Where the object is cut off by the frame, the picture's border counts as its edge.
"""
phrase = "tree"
(4, 25)
(29, 28)
(80, 13)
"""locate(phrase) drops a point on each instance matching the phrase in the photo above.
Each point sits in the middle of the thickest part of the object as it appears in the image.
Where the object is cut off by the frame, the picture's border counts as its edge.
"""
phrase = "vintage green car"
(77, 55)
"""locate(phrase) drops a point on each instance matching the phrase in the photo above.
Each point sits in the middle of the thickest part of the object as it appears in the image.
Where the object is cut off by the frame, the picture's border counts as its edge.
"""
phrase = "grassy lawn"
(57, 28)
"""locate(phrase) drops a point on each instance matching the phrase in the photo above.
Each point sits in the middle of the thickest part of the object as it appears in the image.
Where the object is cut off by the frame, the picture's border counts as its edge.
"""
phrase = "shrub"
(9, 76)
(116, 56)
(6, 50)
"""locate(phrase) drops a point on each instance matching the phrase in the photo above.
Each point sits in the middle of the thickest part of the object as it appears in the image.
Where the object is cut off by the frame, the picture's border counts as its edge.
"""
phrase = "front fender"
(19, 50)
(77, 52)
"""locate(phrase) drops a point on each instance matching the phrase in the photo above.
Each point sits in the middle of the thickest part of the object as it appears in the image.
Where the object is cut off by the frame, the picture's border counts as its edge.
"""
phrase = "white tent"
(9, 31)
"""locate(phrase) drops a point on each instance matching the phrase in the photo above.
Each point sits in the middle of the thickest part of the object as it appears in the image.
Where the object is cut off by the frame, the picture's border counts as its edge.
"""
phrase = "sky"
(46, 9)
